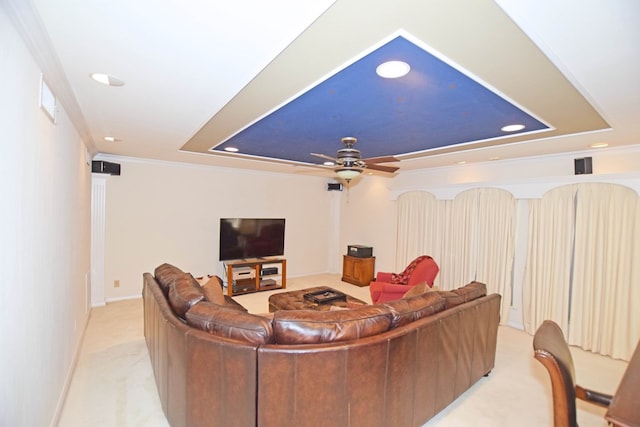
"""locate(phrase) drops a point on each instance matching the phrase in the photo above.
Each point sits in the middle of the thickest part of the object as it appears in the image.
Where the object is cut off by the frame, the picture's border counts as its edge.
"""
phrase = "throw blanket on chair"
(403, 278)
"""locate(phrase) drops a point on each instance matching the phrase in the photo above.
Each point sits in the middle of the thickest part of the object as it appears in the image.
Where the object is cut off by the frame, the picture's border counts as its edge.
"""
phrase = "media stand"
(245, 276)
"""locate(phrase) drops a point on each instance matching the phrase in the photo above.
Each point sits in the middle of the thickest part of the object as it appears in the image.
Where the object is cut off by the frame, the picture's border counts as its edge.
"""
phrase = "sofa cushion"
(472, 291)
(464, 294)
(184, 293)
(407, 310)
(311, 327)
(212, 289)
(165, 275)
(230, 323)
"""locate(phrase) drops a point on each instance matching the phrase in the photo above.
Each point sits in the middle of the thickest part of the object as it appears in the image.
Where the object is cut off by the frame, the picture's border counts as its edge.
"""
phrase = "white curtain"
(461, 246)
(606, 271)
(547, 277)
(583, 266)
(418, 230)
(496, 243)
(471, 237)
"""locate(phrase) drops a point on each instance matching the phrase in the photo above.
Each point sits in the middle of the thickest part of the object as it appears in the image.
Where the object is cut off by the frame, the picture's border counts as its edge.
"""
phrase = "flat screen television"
(242, 238)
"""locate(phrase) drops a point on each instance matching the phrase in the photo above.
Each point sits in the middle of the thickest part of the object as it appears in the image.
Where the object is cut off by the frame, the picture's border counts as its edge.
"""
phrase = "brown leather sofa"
(395, 364)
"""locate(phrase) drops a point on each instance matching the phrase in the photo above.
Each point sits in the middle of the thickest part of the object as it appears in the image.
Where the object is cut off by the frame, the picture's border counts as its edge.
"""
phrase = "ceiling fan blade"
(389, 169)
(386, 159)
(324, 156)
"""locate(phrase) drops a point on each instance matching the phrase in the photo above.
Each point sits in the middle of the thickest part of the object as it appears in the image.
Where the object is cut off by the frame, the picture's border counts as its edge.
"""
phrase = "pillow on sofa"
(407, 310)
(165, 275)
(420, 288)
(213, 290)
(312, 327)
(184, 294)
(230, 323)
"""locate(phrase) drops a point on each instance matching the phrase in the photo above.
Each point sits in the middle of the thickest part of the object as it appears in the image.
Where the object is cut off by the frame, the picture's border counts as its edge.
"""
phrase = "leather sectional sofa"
(394, 364)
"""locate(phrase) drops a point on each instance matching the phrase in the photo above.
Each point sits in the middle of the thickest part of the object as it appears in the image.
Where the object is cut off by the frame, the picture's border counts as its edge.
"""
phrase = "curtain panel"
(583, 262)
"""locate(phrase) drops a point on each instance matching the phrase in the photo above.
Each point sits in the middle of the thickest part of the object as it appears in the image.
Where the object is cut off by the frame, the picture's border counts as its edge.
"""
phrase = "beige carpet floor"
(113, 383)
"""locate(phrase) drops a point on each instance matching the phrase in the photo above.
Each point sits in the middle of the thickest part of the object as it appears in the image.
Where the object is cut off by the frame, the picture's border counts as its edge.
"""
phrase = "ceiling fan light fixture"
(393, 69)
(348, 173)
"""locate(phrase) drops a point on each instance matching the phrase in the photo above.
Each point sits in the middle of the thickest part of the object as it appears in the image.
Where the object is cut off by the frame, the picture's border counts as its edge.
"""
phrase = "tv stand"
(274, 277)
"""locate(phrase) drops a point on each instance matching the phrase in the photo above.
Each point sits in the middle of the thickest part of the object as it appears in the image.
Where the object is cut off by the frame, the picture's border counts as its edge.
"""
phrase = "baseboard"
(126, 298)
(69, 377)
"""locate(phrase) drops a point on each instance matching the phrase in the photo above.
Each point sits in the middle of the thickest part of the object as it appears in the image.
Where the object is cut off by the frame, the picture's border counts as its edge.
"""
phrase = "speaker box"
(334, 186)
(582, 166)
(99, 166)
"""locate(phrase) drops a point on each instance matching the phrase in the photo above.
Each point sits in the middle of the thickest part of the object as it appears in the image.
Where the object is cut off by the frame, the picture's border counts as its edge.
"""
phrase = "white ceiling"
(186, 63)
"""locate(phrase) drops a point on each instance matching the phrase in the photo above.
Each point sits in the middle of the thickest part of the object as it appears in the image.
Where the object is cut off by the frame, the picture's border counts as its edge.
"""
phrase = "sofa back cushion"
(230, 323)
(184, 293)
(407, 310)
(464, 294)
(313, 327)
(165, 275)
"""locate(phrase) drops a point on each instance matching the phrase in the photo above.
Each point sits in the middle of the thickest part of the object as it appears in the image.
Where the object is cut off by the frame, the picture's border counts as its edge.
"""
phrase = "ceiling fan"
(350, 164)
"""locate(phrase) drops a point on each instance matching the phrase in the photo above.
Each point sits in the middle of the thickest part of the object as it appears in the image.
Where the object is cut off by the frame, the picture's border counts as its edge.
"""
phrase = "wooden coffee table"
(295, 300)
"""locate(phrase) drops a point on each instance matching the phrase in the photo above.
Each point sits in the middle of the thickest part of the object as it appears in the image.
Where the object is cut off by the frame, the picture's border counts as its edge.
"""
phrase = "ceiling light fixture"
(112, 139)
(107, 79)
(231, 149)
(348, 173)
(393, 69)
(599, 145)
(512, 128)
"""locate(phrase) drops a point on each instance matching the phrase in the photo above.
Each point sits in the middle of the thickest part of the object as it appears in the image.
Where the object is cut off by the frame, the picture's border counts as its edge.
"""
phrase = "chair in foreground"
(551, 349)
(392, 286)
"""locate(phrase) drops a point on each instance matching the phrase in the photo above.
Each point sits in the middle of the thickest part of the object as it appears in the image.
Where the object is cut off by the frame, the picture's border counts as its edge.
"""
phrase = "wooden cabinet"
(255, 275)
(358, 271)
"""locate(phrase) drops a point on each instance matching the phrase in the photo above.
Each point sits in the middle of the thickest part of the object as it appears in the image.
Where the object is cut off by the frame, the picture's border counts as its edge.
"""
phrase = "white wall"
(168, 212)
(44, 244)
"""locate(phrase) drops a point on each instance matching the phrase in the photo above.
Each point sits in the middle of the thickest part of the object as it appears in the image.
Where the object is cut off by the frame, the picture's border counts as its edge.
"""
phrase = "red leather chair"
(392, 286)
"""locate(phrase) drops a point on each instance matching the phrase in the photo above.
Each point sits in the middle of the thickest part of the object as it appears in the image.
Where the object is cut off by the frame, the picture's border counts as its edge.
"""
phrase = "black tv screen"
(242, 238)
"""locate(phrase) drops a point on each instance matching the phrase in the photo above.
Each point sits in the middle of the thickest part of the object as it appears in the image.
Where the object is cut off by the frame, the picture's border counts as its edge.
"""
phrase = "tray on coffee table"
(325, 296)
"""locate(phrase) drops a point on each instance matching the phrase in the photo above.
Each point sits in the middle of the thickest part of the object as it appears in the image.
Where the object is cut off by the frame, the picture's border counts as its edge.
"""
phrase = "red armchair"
(392, 286)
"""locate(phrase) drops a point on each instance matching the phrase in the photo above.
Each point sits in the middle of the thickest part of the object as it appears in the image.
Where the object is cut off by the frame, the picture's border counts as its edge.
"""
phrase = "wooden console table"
(358, 271)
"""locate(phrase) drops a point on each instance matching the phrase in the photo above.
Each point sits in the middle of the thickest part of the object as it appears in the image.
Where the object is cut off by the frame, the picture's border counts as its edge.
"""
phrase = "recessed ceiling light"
(112, 139)
(231, 149)
(393, 69)
(461, 162)
(599, 145)
(494, 158)
(512, 128)
(107, 79)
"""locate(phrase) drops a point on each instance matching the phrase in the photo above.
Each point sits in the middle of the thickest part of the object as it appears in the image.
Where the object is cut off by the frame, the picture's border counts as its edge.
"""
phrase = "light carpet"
(113, 383)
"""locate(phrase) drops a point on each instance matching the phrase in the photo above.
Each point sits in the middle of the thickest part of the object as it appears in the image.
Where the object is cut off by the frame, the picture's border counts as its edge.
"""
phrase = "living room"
(160, 211)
